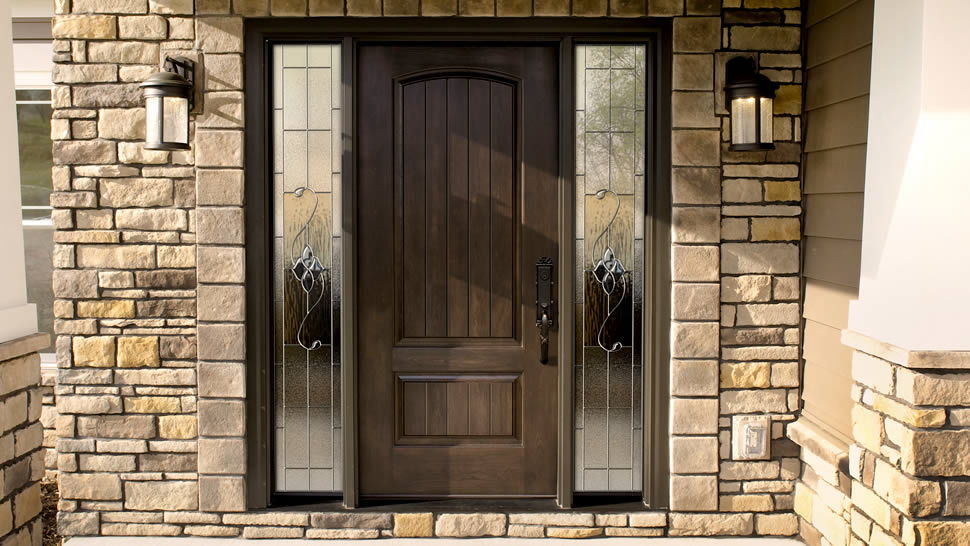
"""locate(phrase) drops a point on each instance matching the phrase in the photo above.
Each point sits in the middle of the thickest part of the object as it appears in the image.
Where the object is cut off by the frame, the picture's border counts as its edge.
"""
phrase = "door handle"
(545, 305)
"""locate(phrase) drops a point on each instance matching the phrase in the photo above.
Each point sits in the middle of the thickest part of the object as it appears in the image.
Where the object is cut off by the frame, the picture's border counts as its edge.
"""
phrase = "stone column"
(911, 455)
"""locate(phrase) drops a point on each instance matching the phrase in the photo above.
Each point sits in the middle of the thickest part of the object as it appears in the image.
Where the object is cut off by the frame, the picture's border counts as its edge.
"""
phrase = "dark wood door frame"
(260, 34)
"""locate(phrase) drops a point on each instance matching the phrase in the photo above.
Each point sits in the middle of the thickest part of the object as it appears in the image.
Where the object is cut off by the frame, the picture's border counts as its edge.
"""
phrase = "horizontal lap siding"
(836, 118)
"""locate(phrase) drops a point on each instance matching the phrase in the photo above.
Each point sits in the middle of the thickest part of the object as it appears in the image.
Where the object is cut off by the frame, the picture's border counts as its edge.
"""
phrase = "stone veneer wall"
(21, 435)
(149, 263)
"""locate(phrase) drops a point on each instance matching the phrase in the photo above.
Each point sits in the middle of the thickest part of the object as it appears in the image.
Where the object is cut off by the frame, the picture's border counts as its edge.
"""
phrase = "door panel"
(457, 183)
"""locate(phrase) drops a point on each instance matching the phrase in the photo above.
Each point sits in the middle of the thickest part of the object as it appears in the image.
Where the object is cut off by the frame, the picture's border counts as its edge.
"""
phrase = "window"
(34, 141)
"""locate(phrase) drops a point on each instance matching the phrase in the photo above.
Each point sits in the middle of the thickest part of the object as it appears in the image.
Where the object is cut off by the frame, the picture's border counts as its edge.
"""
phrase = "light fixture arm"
(184, 67)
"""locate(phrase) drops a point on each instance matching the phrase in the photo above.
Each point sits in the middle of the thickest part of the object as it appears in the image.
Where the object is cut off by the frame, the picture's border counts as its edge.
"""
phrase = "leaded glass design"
(610, 151)
(307, 152)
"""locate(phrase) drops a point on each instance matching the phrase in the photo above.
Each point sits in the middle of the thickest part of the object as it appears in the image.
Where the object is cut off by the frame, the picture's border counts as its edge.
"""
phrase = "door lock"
(545, 305)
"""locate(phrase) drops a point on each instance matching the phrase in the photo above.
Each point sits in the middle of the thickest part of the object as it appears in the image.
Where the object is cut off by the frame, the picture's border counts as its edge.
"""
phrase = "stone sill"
(23, 346)
(930, 360)
(824, 445)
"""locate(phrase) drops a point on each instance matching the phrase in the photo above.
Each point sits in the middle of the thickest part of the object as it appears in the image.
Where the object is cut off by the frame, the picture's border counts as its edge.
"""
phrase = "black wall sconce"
(169, 97)
(750, 98)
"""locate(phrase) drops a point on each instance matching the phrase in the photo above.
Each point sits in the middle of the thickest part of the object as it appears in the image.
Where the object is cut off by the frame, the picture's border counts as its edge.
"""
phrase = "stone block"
(768, 314)
(117, 426)
(109, 6)
(123, 52)
(921, 456)
(104, 96)
(153, 404)
(180, 427)
(925, 418)
(559, 519)
(176, 256)
(219, 34)
(171, 7)
(137, 192)
(218, 148)
(90, 486)
(694, 416)
(912, 496)
(152, 219)
(694, 454)
(957, 498)
(84, 152)
(696, 224)
(766, 37)
(222, 379)
(694, 339)
(351, 520)
(695, 263)
(694, 378)
(138, 352)
(742, 258)
(696, 148)
(222, 342)
(930, 389)
(741, 190)
(782, 190)
(75, 284)
(413, 525)
(526, 531)
(96, 351)
(135, 153)
(222, 417)
(746, 375)
(220, 225)
(694, 110)
(776, 524)
(696, 186)
(693, 493)
(697, 34)
(693, 72)
(221, 264)
(695, 301)
(72, 524)
(750, 470)
(85, 27)
(219, 187)
(161, 495)
(335, 534)
(746, 288)
(222, 493)
(573, 532)
(144, 27)
(106, 309)
(775, 229)
(470, 525)
(223, 73)
(225, 303)
(106, 463)
(754, 401)
(222, 456)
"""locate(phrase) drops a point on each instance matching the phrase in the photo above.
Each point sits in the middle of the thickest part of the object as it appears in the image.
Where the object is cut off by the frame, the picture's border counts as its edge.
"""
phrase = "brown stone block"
(476, 7)
(363, 7)
(697, 34)
(628, 8)
(590, 8)
(326, 7)
(550, 8)
(513, 8)
(166, 278)
(439, 7)
(400, 7)
(696, 148)
(665, 8)
(222, 494)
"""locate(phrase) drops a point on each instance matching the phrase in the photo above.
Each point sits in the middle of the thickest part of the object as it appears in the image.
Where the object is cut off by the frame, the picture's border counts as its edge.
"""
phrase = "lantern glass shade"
(166, 123)
(743, 130)
(751, 98)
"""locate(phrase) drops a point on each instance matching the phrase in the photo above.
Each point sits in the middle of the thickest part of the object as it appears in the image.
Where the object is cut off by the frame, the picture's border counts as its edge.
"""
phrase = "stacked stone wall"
(21, 436)
(149, 261)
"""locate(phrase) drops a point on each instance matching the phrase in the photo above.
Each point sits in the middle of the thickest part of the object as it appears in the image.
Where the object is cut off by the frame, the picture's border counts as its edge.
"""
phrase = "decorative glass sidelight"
(306, 193)
(610, 152)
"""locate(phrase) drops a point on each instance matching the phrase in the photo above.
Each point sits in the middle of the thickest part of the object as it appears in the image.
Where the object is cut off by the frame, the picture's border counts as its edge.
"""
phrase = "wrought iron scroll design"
(307, 268)
(610, 273)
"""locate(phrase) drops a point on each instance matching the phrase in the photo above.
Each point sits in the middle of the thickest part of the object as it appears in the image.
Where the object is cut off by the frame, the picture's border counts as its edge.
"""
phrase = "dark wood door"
(457, 198)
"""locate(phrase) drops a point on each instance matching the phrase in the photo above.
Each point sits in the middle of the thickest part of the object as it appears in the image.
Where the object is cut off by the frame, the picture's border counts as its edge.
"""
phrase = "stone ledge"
(821, 443)
(929, 360)
(23, 345)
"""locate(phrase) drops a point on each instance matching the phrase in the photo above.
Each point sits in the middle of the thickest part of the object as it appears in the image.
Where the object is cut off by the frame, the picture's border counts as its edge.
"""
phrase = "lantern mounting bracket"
(185, 67)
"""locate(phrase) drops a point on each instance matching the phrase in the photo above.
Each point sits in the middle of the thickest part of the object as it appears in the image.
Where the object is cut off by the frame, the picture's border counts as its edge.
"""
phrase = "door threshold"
(598, 504)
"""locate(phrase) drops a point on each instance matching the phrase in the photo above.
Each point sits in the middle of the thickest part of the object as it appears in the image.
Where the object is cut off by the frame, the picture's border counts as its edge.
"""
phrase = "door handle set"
(545, 305)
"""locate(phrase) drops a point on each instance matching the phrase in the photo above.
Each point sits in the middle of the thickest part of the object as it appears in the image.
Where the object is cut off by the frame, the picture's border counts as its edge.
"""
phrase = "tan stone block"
(177, 427)
(913, 497)
(610, 520)
(136, 192)
(106, 463)
(695, 263)
(710, 524)
(77, 523)
(746, 288)
(782, 191)
(694, 454)
(138, 352)
(746, 375)
(222, 493)
(219, 187)
(413, 525)
(163, 495)
(144, 27)
(216, 531)
(89, 486)
(222, 456)
(785, 374)
(930, 389)
(804, 500)
(97, 351)
(223, 110)
(872, 505)
(62, 129)
(693, 72)
(633, 532)
(696, 148)
(220, 225)
(84, 152)
(768, 314)
(116, 256)
(696, 224)
(573, 532)
(754, 401)
(765, 37)
(251, 8)
(907, 414)
(221, 264)
(171, 7)
(696, 186)
(648, 519)
(222, 417)
(697, 34)
(786, 288)
(219, 34)
(106, 309)
(153, 404)
(694, 377)
(218, 148)
(222, 342)
(91, 27)
(470, 525)
(694, 339)
(176, 256)
(775, 229)
(123, 52)
(693, 493)
(695, 301)
(225, 303)
(526, 531)
(223, 73)
(938, 532)
(117, 426)
(222, 379)
(740, 258)
(152, 219)
(694, 415)
(560, 519)
(741, 190)
(921, 455)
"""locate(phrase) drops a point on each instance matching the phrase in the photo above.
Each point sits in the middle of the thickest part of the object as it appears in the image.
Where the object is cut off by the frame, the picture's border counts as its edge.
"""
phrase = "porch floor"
(611, 541)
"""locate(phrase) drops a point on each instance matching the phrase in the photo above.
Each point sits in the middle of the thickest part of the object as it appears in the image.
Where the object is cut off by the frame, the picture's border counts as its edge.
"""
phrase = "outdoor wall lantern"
(168, 101)
(751, 96)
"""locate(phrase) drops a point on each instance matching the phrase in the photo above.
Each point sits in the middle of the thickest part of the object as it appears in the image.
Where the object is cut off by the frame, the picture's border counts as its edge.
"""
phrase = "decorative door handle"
(545, 305)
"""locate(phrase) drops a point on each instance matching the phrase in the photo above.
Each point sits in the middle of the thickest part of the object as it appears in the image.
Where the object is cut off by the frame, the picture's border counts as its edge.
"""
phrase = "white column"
(914, 289)
(17, 317)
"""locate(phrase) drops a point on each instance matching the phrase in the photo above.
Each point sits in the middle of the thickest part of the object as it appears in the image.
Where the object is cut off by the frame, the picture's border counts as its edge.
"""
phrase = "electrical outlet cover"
(750, 437)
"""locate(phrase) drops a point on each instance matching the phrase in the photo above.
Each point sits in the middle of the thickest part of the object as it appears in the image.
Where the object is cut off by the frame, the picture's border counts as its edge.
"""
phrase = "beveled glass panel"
(306, 267)
(610, 209)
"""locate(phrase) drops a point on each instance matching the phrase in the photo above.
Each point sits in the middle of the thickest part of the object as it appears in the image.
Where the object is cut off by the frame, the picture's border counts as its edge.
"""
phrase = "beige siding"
(836, 114)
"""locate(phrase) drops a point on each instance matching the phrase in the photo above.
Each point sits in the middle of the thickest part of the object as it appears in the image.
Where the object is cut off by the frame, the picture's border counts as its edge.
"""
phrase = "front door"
(457, 166)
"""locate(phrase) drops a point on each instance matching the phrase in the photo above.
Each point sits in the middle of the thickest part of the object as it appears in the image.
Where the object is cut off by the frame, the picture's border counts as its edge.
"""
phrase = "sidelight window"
(610, 186)
(307, 164)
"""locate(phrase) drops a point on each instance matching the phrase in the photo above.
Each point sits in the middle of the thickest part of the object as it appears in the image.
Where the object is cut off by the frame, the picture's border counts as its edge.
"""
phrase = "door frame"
(260, 34)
